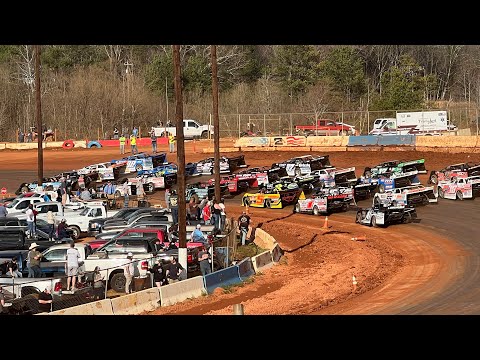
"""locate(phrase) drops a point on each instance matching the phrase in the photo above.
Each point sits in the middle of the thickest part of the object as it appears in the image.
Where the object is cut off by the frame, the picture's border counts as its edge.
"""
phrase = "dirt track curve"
(431, 267)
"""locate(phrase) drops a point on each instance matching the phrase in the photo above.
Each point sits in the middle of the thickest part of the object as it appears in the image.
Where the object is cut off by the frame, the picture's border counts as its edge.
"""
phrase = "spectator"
(73, 257)
(85, 195)
(2, 299)
(202, 204)
(216, 214)
(173, 271)
(54, 195)
(33, 261)
(13, 268)
(128, 271)
(62, 230)
(45, 197)
(192, 209)
(21, 136)
(133, 145)
(197, 235)
(172, 233)
(171, 143)
(109, 191)
(98, 286)
(3, 211)
(223, 214)
(29, 137)
(140, 191)
(126, 193)
(204, 261)
(135, 131)
(158, 274)
(243, 224)
(45, 300)
(167, 197)
(207, 213)
(51, 224)
(173, 204)
(122, 140)
(30, 221)
(115, 132)
(153, 138)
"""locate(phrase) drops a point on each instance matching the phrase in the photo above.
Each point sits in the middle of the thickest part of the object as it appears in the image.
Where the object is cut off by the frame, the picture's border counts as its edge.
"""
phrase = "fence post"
(291, 124)
(239, 131)
(264, 124)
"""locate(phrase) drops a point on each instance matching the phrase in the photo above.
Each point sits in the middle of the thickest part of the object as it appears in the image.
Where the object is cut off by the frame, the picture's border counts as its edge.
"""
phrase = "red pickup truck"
(325, 127)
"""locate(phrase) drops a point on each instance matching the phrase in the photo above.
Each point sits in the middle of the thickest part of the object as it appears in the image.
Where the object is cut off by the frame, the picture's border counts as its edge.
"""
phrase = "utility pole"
(38, 102)
(182, 211)
(216, 123)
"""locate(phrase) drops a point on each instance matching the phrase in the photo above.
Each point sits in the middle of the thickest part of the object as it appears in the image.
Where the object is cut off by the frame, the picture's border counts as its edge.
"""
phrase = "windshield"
(12, 204)
(85, 211)
(120, 213)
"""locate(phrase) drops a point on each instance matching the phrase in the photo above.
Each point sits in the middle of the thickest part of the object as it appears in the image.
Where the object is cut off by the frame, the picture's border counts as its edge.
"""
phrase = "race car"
(365, 188)
(303, 165)
(164, 169)
(271, 198)
(408, 195)
(201, 189)
(459, 187)
(324, 202)
(227, 165)
(462, 169)
(396, 180)
(243, 180)
(389, 168)
(384, 216)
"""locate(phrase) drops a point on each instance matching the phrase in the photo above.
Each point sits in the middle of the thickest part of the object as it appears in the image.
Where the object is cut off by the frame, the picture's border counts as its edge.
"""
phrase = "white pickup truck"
(192, 129)
(78, 221)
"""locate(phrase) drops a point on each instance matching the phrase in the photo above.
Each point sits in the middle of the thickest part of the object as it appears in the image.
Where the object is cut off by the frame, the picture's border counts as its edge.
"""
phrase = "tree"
(403, 87)
(296, 67)
(345, 69)
(160, 68)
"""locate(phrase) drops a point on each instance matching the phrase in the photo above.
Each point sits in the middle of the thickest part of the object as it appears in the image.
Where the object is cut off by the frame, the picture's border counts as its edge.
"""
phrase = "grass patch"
(248, 250)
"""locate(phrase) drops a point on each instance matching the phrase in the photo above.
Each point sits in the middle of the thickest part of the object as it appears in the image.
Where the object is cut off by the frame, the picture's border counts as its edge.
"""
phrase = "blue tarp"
(362, 140)
(399, 140)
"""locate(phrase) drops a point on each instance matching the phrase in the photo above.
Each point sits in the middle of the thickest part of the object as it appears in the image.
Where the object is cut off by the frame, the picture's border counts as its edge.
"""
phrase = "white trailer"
(414, 123)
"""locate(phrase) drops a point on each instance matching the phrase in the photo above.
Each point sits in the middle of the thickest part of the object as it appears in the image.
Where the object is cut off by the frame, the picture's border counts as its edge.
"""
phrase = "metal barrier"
(245, 269)
(221, 278)
(396, 140)
(367, 140)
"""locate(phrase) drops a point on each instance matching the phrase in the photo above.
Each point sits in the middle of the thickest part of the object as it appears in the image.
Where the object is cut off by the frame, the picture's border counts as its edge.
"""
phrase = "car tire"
(373, 221)
(204, 134)
(407, 218)
(117, 282)
(298, 172)
(433, 179)
(138, 167)
(150, 188)
(381, 188)
(459, 195)
(268, 204)
(316, 212)
(76, 232)
(246, 202)
(358, 218)
(296, 208)
(441, 193)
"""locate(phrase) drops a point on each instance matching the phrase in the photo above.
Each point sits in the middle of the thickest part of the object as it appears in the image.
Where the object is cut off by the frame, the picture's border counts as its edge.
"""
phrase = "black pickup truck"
(13, 236)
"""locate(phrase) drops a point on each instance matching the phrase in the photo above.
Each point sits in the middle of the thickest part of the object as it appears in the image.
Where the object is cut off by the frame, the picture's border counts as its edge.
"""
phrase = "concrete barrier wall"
(137, 302)
(448, 141)
(2, 146)
(252, 141)
(277, 253)
(262, 261)
(264, 239)
(222, 278)
(288, 141)
(326, 141)
(182, 290)
(101, 307)
(245, 269)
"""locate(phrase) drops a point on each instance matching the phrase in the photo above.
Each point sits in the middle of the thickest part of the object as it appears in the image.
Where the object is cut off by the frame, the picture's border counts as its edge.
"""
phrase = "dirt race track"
(429, 267)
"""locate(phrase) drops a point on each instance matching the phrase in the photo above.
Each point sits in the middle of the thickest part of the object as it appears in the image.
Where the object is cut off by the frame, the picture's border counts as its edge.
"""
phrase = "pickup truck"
(192, 129)
(78, 221)
(95, 224)
(55, 207)
(325, 127)
(157, 217)
(20, 204)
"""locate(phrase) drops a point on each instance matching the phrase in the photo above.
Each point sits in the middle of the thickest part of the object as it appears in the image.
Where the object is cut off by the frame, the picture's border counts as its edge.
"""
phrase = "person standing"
(204, 261)
(13, 268)
(135, 131)
(45, 300)
(128, 271)
(30, 221)
(207, 213)
(167, 197)
(73, 256)
(216, 214)
(51, 224)
(3, 211)
(243, 224)
(173, 204)
(98, 287)
(122, 140)
(62, 230)
(2, 299)
(171, 143)
(115, 133)
(126, 193)
(33, 261)
(223, 214)
(173, 271)
(153, 138)
(140, 192)
(158, 273)
(133, 144)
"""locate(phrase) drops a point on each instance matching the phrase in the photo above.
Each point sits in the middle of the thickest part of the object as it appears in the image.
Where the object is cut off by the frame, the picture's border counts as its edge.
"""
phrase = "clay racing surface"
(429, 267)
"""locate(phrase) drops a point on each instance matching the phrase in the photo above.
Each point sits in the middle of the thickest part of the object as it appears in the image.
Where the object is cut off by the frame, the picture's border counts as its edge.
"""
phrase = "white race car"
(459, 187)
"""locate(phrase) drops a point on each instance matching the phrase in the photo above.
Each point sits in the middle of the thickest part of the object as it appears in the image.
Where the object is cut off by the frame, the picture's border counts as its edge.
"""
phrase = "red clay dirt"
(315, 274)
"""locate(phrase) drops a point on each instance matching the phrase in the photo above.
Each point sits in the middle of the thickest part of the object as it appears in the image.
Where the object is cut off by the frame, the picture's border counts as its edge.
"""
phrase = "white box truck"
(414, 123)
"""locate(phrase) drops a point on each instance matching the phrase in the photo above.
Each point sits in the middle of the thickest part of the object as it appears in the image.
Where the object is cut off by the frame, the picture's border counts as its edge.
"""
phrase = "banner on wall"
(288, 141)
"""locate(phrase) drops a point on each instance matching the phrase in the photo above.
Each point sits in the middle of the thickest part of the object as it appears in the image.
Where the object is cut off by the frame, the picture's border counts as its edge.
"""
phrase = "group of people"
(134, 137)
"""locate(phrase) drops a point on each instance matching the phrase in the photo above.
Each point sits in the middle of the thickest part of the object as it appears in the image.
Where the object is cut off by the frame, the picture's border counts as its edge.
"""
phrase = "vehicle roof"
(66, 246)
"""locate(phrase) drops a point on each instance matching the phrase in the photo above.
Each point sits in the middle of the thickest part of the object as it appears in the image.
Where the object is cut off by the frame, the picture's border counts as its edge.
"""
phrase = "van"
(378, 123)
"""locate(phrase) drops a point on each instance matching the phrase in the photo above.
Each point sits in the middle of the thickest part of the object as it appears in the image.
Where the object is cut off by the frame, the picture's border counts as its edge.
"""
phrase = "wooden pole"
(38, 114)
(216, 123)
(182, 211)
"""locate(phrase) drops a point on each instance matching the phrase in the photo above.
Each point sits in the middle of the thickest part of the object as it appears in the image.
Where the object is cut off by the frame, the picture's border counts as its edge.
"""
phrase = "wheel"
(374, 221)
(441, 194)
(246, 202)
(459, 195)
(28, 290)
(315, 211)
(342, 133)
(407, 218)
(150, 187)
(345, 207)
(358, 218)
(75, 231)
(367, 173)
(381, 188)
(394, 203)
(138, 167)
(117, 282)
(268, 203)
(434, 179)
(298, 172)
(204, 135)
(296, 208)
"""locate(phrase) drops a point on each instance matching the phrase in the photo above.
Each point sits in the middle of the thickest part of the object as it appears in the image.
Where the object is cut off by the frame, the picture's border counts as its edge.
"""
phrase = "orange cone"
(325, 224)
(360, 238)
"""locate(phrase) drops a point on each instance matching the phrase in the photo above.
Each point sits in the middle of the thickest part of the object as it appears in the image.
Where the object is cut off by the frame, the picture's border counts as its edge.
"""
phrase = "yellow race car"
(270, 200)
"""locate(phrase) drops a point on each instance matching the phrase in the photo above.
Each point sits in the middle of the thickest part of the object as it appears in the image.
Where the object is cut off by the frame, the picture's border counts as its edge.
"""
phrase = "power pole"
(38, 102)
(216, 123)
(182, 211)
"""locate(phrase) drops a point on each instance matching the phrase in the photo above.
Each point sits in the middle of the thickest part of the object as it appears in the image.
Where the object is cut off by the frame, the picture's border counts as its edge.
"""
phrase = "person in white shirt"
(223, 214)
(30, 221)
(72, 265)
(128, 271)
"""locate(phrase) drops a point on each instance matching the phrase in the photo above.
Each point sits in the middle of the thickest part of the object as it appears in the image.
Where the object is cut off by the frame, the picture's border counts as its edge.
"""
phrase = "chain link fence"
(237, 125)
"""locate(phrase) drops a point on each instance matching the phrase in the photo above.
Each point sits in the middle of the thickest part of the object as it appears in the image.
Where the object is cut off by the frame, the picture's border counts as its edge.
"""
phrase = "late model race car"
(325, 202)
(389, 168)
(408, 195)
(271, 198)
(303, 165)
(384, 216)
(459, 187)
(462, 169)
